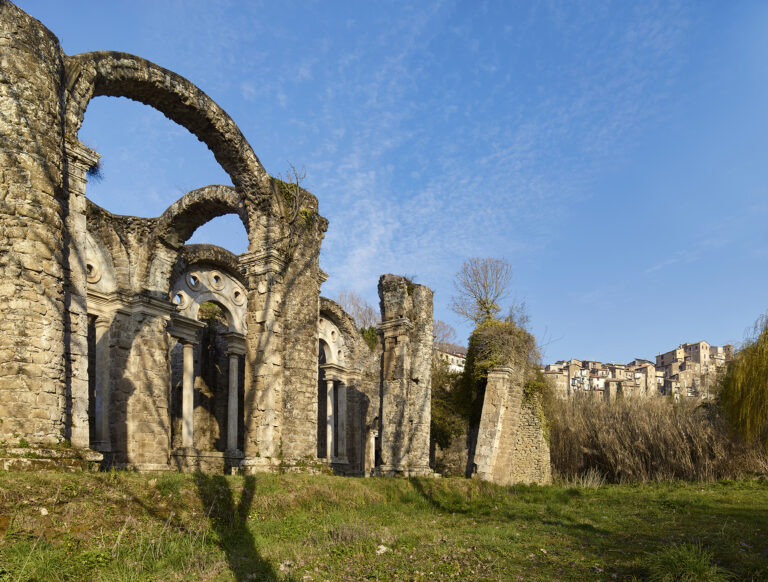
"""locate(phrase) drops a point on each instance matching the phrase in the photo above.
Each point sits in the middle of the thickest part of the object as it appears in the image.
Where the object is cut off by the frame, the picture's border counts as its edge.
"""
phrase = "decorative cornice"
(258, 263)
(395, 327)
(184, 328)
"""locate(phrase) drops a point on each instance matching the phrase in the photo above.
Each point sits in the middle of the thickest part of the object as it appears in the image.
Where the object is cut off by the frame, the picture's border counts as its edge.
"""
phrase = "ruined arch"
(177, 224)
(116, 74)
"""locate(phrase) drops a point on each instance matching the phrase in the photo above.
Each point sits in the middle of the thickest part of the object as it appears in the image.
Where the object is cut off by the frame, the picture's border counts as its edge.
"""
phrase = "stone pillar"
(188, 396)
(495, 405)
(103, 385)
(264, 365)
(394, 404)
(329, 416)
(341, 422)
(232, 403)
(79, 159)
(405, 412)
(235, 349)
(371, 456)
(35, 402)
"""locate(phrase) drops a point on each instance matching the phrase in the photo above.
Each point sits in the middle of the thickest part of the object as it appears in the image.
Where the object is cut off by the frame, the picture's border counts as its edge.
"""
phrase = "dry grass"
(638, 440)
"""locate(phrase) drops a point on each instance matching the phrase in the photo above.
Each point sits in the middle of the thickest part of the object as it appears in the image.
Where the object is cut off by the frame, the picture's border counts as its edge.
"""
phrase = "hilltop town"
(689, 370)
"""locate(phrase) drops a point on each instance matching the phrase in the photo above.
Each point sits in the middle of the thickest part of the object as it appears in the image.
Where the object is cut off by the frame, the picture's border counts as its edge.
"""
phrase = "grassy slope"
(122, 526)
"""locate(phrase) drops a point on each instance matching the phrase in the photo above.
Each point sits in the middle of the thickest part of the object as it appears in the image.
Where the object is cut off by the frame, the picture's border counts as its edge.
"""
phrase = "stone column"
(235, 349)
(329, 416)
(103, 385)
(185, 330)
(188, 396)
(341, 413)
(232, 403)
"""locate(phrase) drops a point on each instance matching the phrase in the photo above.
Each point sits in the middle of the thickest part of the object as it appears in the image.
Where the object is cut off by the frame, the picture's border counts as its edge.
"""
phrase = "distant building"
(455, 359)
(690, 369)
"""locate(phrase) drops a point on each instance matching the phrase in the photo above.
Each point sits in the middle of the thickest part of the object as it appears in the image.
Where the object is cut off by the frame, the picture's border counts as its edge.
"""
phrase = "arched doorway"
(207, 369)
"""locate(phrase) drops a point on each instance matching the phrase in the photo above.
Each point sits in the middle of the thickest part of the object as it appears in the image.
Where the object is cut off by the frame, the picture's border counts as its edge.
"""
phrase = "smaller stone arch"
(332, 341)
(197, 207)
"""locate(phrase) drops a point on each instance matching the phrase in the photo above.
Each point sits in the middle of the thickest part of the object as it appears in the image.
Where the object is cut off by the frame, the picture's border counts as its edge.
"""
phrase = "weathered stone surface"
(511, 445)
(93, 348)
(406, 334)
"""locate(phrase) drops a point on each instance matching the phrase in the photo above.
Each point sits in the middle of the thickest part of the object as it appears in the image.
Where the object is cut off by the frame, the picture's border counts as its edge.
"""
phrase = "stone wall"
(35, 396)
(511, 445)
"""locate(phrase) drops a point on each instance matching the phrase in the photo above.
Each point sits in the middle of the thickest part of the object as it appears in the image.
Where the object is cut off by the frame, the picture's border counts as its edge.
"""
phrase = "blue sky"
(615, 153)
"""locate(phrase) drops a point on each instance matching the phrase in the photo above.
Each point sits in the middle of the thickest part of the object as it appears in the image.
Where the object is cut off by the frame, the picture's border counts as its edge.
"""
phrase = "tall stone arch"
(116, 74)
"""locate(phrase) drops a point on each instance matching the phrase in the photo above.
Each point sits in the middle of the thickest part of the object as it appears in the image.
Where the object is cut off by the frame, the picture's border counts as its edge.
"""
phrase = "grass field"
(123, 526)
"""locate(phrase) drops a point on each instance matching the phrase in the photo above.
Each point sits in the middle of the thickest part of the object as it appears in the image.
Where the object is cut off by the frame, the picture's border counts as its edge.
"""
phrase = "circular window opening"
(217, 280)
(193, 282)
(178, 299)
(238, 297)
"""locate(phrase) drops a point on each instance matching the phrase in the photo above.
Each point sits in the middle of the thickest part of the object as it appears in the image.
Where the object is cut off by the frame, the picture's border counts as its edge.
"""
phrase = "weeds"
(684, 563)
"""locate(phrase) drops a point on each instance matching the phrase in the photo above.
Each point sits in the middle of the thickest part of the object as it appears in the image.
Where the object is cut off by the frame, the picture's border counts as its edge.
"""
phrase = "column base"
(102, 446)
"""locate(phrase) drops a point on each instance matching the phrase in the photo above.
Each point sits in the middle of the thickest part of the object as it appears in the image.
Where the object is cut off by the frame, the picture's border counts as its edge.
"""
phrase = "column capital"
(235, 343)
(185, 329)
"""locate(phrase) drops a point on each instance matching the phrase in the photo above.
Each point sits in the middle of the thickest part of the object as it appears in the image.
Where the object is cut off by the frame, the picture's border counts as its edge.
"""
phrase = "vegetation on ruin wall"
(457, 399)
(127, 526)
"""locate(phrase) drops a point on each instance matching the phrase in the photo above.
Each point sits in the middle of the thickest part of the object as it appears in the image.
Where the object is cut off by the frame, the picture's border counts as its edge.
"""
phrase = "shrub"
(638, 440)
(684, 563)
(744, 391)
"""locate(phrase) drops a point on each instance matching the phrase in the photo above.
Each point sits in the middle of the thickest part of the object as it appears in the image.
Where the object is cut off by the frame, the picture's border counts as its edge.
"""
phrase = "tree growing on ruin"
(481, 284)
(744, 392)
(365, 315)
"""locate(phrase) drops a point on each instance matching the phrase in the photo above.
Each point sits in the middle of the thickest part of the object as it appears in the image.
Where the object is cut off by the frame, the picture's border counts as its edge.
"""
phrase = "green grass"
(125, 526)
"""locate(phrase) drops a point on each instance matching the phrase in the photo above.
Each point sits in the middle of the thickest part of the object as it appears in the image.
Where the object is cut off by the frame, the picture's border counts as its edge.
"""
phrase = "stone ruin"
(120, 343)
(121, 340)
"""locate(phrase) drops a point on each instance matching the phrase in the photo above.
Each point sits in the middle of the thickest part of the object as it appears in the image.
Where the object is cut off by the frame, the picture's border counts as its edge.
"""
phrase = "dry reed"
(641, 440)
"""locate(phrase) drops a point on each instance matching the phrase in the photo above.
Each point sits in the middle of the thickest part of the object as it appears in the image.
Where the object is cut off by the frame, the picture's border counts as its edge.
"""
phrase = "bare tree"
(444, 334)
(481, 284)
(364, 314)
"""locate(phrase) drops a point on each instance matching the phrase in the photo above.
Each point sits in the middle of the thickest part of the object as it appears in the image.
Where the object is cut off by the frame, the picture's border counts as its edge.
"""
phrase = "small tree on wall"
(365, 315)
(297, 210)
(481, 284)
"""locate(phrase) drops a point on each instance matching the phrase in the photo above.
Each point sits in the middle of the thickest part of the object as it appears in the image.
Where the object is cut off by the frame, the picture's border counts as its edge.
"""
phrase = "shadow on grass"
(230, 522)
(621, 544)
